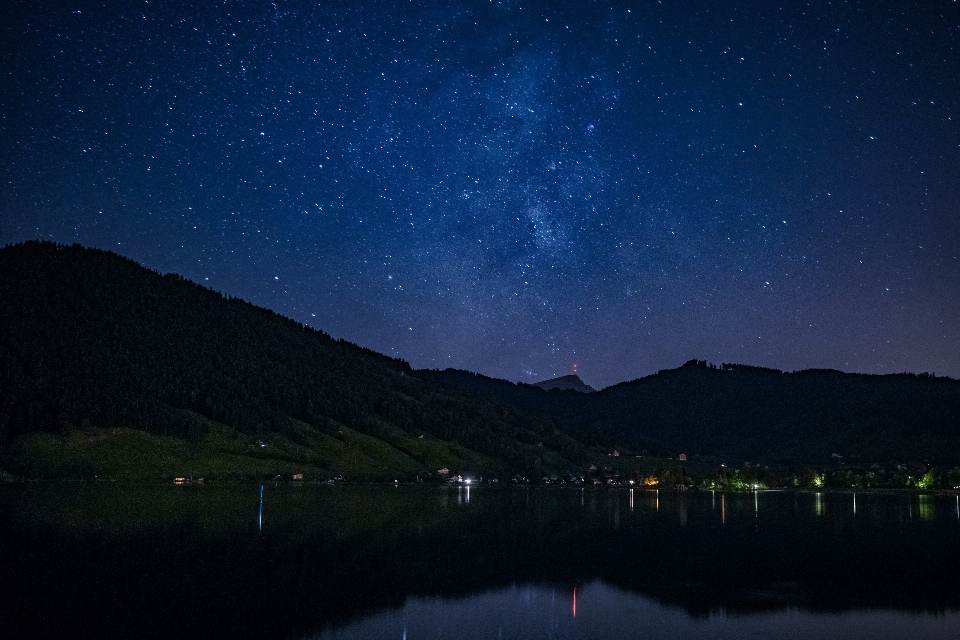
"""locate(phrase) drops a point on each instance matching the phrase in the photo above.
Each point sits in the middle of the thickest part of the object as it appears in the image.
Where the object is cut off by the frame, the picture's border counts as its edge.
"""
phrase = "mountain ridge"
(92, 342)
(102, 355)
(570, 382)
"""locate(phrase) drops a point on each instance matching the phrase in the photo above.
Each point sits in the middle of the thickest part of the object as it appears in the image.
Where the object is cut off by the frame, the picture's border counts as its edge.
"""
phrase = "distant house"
(683, 456)
(615, 454)
(444, 471)
(297, 476)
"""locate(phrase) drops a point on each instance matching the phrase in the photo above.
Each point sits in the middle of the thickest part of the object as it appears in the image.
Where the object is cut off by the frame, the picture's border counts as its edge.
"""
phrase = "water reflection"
(193, 561)
(608, 612)
(260, 513)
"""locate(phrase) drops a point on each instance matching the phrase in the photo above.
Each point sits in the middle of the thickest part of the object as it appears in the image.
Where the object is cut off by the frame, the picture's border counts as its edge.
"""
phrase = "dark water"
(447, 562)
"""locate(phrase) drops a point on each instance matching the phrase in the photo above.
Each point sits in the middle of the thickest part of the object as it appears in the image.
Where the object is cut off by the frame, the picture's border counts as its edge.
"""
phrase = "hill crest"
(565, 383)
(91, 342)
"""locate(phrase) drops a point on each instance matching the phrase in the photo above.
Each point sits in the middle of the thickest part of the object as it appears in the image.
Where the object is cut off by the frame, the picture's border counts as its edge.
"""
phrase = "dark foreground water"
(445, 562)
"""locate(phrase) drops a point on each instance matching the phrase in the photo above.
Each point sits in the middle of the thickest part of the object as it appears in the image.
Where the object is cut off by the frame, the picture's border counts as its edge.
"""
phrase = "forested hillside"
(92, 341)
(765, 414)
(739, 413)
(107, 368)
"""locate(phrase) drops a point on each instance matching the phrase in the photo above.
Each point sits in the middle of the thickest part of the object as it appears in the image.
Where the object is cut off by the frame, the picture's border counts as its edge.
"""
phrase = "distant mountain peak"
(572, 381)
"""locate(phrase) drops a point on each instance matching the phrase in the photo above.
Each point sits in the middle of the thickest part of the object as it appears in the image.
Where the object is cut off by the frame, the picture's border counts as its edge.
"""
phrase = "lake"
(333, 562)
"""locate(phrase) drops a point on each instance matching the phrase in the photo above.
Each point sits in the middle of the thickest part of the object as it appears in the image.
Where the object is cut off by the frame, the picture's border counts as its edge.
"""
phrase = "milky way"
(517, 187)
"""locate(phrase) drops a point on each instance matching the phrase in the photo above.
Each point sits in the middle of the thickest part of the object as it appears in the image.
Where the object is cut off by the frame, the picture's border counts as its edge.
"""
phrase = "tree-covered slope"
(107, 368)
(91, 341)
(738, 413)
(765, 414)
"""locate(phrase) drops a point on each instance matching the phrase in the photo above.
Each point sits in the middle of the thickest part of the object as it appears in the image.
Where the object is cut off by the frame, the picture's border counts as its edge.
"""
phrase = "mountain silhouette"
(103, 355)
(564, 383)
(108, 368)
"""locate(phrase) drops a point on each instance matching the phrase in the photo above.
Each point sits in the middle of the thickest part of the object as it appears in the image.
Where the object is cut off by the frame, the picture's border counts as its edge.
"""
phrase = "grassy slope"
(222, 453)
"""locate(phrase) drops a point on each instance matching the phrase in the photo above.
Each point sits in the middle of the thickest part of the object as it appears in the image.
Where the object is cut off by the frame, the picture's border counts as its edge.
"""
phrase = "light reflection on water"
(598, 610)
(478, 561)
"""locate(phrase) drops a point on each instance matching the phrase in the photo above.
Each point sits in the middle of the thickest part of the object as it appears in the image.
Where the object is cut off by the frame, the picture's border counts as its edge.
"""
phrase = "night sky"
(514, 188)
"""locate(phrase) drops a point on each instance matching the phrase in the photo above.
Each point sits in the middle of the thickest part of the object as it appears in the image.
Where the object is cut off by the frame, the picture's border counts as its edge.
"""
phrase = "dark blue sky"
(515, 187)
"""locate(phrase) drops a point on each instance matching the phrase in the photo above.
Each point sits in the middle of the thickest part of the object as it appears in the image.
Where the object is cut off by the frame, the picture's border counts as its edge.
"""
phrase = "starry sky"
(512, 187)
